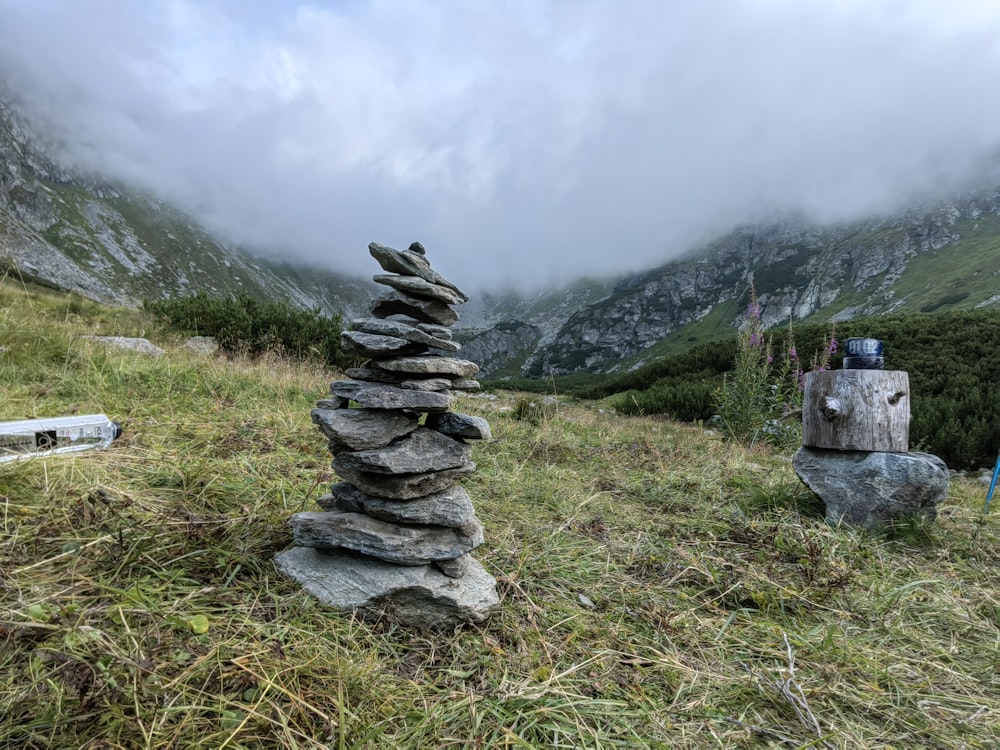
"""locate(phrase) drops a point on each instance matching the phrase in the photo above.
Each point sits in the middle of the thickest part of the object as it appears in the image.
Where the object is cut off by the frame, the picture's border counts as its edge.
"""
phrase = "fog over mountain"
(527, 141)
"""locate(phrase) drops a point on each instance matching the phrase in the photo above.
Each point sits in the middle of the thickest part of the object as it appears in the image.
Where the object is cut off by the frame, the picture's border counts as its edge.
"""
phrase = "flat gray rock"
(399, 329)
(873, 489)
(409, 263)
(334, 402)
(420, 451)
(390, 397)
(402, 486)
(439, 332)
(143, 346)
(378, 346)
(460, 425)
(420, 597)
(423, 310)
(371, 375)
(451, 507)
(456, 568)
(419, 287)
(202, 344)
(461, 368)
(427, 384)
(411, 381)
(401, 544)
(363, 429)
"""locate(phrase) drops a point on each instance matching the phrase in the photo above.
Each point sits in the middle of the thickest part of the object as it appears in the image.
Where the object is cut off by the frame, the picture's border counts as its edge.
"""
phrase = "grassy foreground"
(659, 588)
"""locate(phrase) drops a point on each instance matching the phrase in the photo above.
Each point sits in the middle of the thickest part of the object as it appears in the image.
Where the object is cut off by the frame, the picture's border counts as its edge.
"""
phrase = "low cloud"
(524, 142)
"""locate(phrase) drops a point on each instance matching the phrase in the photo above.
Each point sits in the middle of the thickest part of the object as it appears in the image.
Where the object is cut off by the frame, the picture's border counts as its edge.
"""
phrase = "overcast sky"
(531, 140)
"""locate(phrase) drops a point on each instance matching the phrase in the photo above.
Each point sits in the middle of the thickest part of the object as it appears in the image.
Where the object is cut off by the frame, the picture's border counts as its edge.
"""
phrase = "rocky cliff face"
(504, 329)
(932, 257)
(115, 245)
(495, 349)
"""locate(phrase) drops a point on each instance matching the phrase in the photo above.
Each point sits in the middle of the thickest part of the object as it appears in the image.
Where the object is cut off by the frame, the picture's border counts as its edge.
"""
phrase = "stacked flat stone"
(395, 536)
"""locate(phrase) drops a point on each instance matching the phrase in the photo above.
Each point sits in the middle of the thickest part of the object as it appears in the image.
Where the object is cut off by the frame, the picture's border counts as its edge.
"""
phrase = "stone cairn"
(855, 444)
(394, 537)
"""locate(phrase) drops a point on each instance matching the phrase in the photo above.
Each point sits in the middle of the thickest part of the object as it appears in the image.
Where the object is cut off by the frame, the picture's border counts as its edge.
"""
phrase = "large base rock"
(873, 489)
(421, 597)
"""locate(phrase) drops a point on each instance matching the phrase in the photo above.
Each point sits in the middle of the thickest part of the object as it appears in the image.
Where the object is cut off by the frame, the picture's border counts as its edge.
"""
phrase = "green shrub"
(248, 326)
(686, 399)
(715, 357)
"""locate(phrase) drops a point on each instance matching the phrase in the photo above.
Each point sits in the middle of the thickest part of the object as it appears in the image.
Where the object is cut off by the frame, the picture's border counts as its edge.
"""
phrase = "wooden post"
(857, 410)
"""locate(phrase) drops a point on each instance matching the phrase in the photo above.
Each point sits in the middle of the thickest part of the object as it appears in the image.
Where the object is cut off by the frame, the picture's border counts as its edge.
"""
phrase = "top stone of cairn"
(411, 263)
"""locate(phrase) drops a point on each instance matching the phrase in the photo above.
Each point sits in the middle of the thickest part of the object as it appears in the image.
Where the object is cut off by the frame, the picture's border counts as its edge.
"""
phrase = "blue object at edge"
(993, 484)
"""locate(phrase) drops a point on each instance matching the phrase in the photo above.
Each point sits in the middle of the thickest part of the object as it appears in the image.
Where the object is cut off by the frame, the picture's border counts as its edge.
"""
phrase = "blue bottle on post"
(863, 354)
(54, 435)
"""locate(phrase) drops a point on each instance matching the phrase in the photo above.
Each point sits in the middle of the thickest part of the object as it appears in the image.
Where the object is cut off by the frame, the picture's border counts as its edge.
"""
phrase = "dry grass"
(660, 588)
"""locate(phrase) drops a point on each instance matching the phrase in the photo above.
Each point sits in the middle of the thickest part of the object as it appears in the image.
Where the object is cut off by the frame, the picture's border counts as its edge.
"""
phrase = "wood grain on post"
(857, 410)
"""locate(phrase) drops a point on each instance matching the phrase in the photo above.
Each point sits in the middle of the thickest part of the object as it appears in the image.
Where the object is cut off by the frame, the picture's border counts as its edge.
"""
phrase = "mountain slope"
(113, 244)
(940, 257)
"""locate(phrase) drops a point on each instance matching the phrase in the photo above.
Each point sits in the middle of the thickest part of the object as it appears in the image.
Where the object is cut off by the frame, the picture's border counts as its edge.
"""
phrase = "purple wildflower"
(792, 354)
(833, 346)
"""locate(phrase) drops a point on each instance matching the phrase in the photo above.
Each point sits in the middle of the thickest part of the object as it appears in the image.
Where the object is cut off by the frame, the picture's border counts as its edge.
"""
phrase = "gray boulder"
(456, 568)
(378, 346)
(424, 310)
(451, 507)
(460, 425)
(439, 332)
(427, 384)
(465, 384)
(363, 429)
(419, 287)
(371, 375)
(420, 597)
(872, 489)
(402, 544)
(461, 368)
(402, 486)
(390, 397)
(399, 329)
(334, 402)
(411, 381)
(202, 344)
(422, 450)
(143, 346)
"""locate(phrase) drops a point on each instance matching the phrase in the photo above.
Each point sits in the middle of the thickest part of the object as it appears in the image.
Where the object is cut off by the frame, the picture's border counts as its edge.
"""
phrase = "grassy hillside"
(658, 588)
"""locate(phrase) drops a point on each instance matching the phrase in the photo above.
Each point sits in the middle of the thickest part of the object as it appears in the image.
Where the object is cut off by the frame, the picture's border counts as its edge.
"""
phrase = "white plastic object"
(53, 435)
